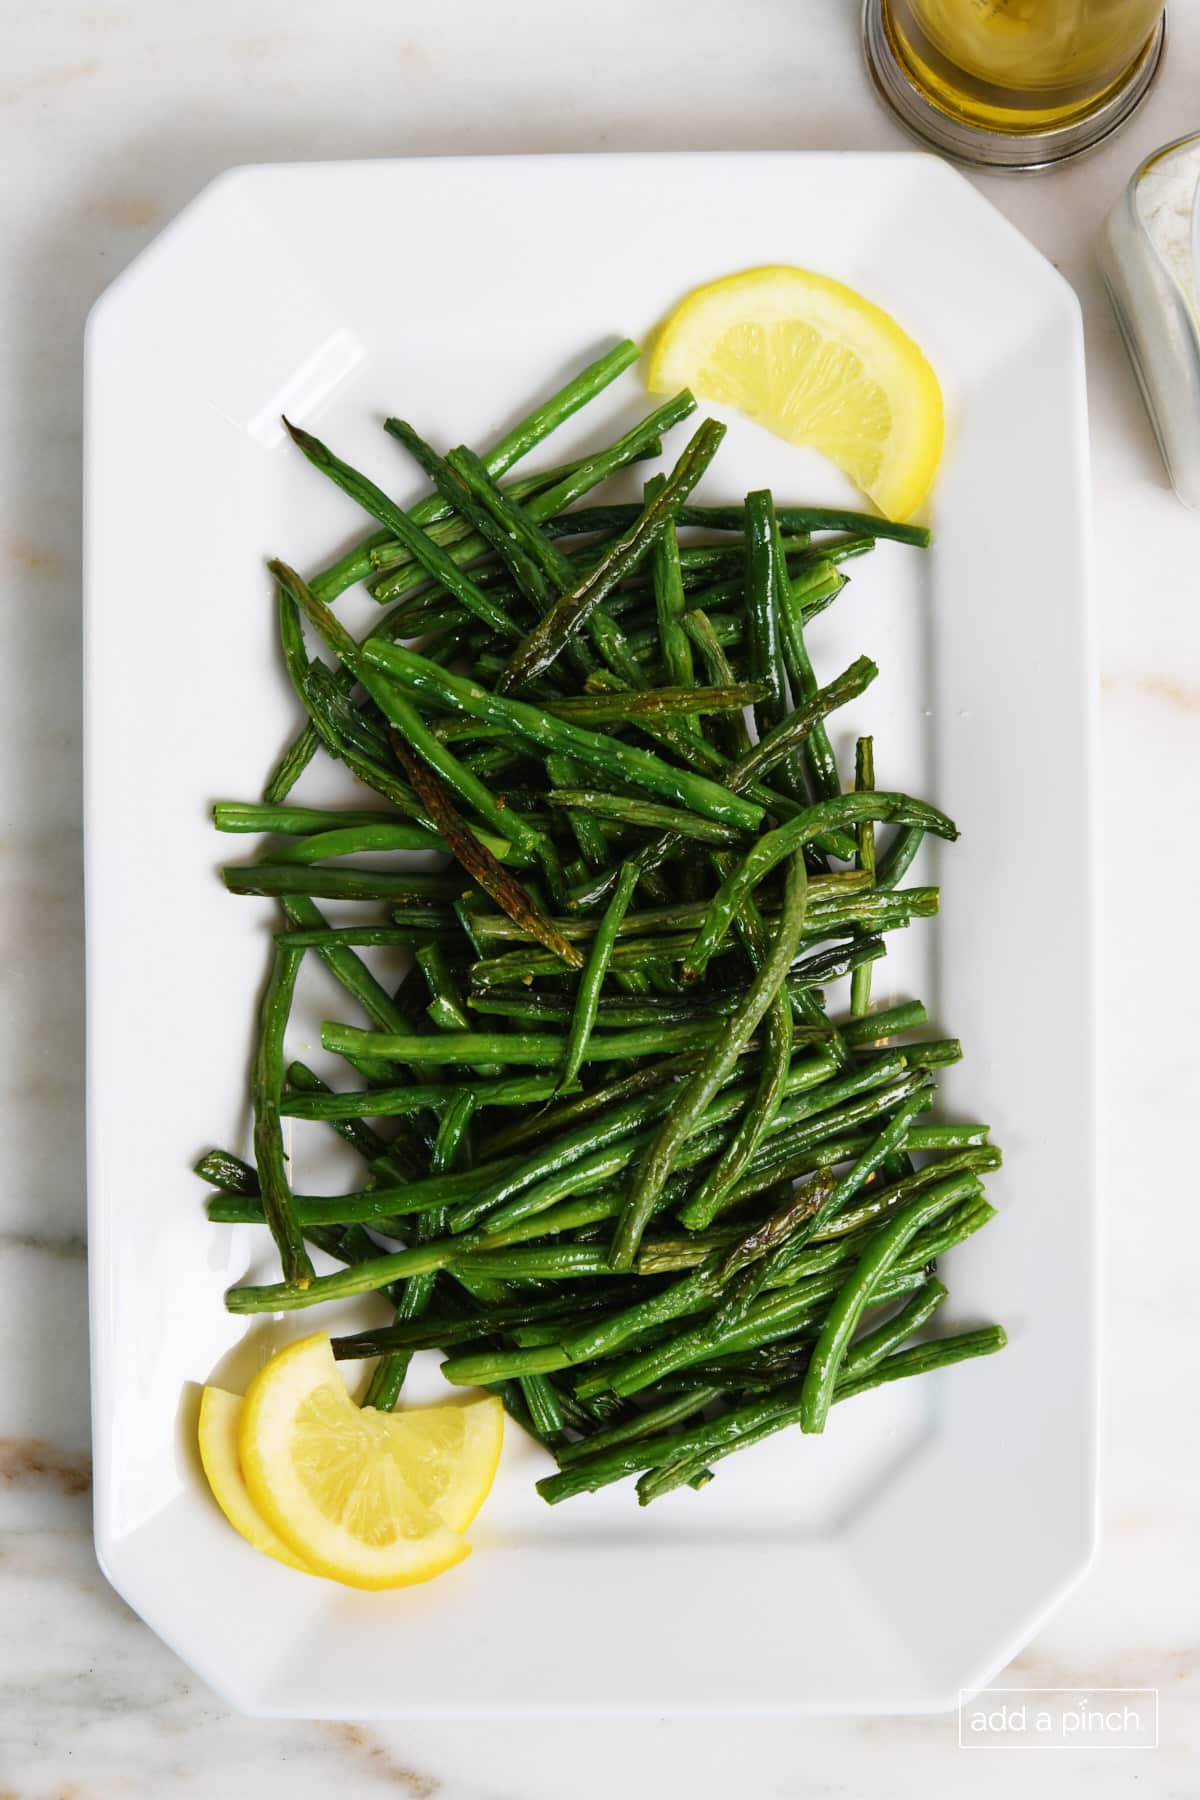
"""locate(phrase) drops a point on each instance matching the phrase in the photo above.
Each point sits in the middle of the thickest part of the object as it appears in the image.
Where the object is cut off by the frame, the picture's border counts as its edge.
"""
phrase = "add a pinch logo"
(1059, 1719)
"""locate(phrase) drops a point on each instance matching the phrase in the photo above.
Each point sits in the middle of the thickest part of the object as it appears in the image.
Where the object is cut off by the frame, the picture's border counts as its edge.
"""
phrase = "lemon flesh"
(370, 1498)
(817, 364)
(449, 1455)
(220, 1414)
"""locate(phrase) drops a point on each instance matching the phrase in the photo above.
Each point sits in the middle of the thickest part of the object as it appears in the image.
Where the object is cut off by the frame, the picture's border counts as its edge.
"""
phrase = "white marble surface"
(112, 114)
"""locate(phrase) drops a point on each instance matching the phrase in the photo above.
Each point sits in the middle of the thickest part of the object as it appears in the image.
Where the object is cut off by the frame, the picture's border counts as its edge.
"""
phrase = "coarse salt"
(1166, 204)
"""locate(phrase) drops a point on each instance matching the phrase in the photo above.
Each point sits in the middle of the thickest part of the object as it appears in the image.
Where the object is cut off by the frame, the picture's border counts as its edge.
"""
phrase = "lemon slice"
(220, 1414)
(449, 1455)
(817, 364)
(370, 1498)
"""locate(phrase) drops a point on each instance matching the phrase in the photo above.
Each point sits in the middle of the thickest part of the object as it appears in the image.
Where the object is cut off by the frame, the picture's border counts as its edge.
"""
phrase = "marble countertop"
(113, 113)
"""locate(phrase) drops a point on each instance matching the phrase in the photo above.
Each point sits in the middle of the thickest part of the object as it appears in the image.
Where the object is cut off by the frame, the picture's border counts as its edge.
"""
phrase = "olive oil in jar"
(1019, 65)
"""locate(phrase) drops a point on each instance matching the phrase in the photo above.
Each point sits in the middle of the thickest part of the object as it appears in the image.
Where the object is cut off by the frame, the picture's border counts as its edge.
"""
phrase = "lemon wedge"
(220, 1414)
(370, 1498)
(817, 364)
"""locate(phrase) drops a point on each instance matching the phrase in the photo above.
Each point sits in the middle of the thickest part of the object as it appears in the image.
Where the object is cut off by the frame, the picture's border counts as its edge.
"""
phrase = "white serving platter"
(912, 1550)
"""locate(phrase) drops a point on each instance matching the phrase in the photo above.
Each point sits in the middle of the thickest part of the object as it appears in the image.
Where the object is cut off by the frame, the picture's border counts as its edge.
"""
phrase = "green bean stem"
(716, 1067)
(587, 997)
(266, 1091)
(538, 650)
(746, 1423)
(817, 1391)
(639, 767)
(864, 1356)
(773, 846)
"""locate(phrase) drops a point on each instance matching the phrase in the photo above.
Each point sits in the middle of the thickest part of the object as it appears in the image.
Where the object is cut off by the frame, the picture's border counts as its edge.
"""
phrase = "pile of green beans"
(627, 1161)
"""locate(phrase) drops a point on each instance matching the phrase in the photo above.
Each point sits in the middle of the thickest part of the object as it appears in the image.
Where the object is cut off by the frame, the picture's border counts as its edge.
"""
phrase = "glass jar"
(1150, 257)
(1013, 83)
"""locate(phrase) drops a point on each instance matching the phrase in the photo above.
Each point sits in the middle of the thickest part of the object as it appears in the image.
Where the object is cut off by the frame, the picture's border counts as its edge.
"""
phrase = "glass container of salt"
(1150, 255)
